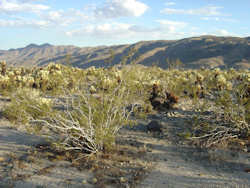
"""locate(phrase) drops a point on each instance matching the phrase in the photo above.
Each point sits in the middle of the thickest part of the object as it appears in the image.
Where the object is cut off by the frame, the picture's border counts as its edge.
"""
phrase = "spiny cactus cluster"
(161, 99)
(3, 67)
(49, 78)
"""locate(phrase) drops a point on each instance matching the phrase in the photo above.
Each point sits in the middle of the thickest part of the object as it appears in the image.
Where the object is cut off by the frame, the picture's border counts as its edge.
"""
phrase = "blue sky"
(108, 22)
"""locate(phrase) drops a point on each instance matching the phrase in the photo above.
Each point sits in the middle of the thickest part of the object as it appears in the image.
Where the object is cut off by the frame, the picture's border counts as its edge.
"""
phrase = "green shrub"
(91, 105)
(27, 104)
(79, 121)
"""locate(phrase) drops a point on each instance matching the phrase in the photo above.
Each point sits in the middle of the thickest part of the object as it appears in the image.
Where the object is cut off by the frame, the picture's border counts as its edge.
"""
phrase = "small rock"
(176, 114)
(155, 116)
(248, 148)
(68, 181)
(154, 126)
(206, 113)
(49, 154)
(247, 170)
(4, 163)
(245, 149)
(10, 165)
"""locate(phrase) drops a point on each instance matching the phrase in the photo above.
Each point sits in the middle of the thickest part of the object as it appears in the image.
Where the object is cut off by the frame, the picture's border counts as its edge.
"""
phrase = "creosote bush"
(27, 104)
(87, 119)
(89, 123)
(228, 101)
(83, 109)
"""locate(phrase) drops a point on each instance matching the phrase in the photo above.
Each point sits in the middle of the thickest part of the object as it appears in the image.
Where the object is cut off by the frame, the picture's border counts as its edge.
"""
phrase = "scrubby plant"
(90, 123)
(96, 102)
(81, 120)
(230, 108)
(27, 104)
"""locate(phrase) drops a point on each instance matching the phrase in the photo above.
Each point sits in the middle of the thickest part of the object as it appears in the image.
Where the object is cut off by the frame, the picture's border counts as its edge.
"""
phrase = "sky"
(111, 22)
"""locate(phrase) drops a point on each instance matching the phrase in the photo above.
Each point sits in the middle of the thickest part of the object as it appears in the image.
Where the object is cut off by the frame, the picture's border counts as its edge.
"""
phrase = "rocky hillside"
(196, 52)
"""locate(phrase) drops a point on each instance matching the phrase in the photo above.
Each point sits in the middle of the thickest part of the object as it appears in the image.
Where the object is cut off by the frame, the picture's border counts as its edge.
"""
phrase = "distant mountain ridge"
(195, 52)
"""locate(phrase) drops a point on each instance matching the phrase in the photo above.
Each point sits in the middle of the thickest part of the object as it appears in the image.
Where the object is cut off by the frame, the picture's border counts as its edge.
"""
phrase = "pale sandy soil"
(18, 144)
(177, 164)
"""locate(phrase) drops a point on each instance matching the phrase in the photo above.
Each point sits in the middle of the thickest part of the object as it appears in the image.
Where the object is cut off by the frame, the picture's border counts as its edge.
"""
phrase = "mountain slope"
(196, 52)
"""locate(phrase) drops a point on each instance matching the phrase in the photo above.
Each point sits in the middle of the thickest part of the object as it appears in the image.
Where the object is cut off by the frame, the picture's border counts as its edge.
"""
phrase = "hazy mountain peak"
(32, 45)
(45, 45)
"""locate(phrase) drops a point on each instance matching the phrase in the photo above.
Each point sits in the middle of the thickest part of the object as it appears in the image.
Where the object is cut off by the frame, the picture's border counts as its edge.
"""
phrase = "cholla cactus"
(221, 81)
(229, 85)
(4, 81)
(246, 76)
(56, 73)
(106, 83)
(43, 74)
(3, 67)
(17, 72)
(199, 78)
(155, 82)
(118, 75)
(46, 101)
(28, 80)
(91, 70)
(92, 89)
(217, 70)
(11, 74)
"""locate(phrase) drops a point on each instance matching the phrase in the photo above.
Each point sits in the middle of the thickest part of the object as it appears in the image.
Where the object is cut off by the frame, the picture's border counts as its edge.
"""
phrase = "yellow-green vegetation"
(76, 109)
(27, 103)
(84, 109)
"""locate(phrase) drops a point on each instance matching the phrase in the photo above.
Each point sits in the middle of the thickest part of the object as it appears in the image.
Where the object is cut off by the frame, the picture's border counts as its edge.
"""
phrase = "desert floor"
(176, 163)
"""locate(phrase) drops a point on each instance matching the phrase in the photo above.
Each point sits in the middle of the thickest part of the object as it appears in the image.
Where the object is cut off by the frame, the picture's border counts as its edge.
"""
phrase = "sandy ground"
(177, 164)
(18, 170)
(185, 166)
(15, 144)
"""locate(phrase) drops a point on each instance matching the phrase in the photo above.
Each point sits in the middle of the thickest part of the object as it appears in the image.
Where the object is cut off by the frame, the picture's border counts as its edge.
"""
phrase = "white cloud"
(170, 3)
(64, 17)
(211, 18)
(25, 1)
(55, 15)
(121, 8)
(172, 23)
(24, 23)
(143, 29)
(48, 19)
(222, 19)
(45, 16)
(58, 18)
(223, 32)
(172, 26)
(204, 11)
(40, 15)
(117, 31)
(216, 32)
(12, 6)
(113, 30)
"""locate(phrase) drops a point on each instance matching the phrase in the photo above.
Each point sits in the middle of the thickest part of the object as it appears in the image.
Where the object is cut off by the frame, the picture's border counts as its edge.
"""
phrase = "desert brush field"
(124, 126)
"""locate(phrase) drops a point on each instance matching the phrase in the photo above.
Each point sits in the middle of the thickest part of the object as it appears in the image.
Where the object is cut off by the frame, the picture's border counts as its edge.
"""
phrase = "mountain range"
(195, 52)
